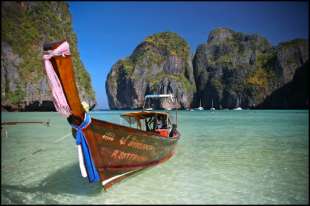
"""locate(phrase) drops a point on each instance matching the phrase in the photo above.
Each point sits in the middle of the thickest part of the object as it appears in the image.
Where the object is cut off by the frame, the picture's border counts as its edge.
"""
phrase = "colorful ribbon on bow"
(59, 99)
(92, 172)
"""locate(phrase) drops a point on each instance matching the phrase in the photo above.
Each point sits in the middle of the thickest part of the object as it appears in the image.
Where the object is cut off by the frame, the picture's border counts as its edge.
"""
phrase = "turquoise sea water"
(223, 157)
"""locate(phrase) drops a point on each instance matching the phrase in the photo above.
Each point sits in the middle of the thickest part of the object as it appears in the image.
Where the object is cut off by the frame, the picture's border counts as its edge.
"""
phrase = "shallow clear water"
(223, 157)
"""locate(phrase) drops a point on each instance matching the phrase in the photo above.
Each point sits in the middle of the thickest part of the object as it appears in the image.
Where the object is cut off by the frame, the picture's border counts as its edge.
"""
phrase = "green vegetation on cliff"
(146, 55)
(127, 65)
(17, 96)
(292, 43)
(154, 48)
(154, 81)
(264, 75)
(170, 43)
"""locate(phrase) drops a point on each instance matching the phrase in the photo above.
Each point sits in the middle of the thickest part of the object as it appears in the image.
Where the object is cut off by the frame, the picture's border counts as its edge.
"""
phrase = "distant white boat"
(149, 109)
(200, 107)
(238, 107)
(212, 108)
(189, 109)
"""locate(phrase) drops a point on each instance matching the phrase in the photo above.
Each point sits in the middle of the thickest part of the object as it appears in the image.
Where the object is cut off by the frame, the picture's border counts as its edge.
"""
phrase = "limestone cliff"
(294, 94)
(161, 64)
(231, 69)
(236, 69)
(26, 26)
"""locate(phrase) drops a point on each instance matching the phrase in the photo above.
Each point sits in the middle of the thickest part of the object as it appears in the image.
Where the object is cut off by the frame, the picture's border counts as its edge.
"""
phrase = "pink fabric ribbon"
(59, 98)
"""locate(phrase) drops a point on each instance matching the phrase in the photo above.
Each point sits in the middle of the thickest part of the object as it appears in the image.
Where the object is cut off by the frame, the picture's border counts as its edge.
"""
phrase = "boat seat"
(162, 132)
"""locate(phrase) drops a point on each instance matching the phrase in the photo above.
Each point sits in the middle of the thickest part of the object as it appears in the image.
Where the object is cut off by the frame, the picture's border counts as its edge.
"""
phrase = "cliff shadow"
(40, 106)
(293, 95)
(67, 180)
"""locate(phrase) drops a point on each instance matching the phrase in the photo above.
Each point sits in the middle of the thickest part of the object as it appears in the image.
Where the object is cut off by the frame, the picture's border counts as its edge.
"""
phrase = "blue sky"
(109, 31)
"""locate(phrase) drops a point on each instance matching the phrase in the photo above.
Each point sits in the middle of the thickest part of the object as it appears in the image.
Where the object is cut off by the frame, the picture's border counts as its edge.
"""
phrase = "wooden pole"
(31, 122)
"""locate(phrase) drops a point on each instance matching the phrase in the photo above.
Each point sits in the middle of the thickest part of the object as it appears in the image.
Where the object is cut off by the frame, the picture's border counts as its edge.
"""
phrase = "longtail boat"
(116, 151)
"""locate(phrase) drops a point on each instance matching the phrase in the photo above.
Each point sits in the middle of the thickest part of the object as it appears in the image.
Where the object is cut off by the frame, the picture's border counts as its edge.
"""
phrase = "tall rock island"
(236, 69)
(161, 64)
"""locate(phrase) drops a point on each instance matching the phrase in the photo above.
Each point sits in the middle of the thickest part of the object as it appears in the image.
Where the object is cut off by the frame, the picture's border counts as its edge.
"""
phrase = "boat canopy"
(131, 117)
(148, 116)
(158, 96)
(149, 96)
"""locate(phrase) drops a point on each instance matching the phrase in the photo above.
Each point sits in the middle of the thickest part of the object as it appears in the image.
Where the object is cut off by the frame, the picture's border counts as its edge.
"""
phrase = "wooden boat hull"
(118, 150)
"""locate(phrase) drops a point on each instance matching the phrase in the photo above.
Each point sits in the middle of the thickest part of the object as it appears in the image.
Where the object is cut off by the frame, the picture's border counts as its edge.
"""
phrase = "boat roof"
(151, 96)
(158, 96)
(143, 114)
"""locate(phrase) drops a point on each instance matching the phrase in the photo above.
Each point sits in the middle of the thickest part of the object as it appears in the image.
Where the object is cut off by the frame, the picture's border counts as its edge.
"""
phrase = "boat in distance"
(117, 151)
(238, 105)
(200, 107)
